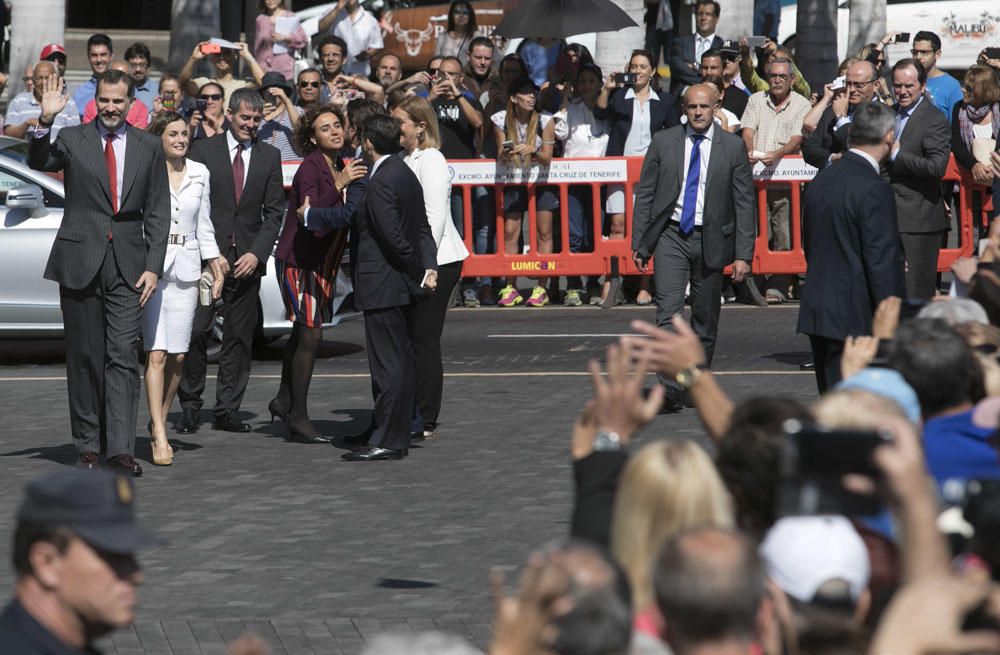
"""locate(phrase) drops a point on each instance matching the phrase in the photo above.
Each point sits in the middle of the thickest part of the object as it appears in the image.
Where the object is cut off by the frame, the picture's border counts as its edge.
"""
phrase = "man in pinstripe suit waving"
(107, 258)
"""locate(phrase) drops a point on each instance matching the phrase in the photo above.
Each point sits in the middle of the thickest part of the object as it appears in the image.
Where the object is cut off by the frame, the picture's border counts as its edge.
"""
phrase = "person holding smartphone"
(634, 113)
(281, 116)
(208, 118)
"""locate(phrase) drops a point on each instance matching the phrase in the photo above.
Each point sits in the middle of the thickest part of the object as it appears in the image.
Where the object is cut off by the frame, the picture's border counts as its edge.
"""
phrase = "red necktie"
(238, 171)
(112, 164)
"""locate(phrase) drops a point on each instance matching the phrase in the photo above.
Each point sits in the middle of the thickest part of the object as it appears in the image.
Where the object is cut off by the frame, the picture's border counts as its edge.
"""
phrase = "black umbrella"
(561, 18)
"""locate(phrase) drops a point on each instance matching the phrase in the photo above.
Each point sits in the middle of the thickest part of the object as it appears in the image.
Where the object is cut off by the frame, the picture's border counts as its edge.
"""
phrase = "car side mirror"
(28, 196)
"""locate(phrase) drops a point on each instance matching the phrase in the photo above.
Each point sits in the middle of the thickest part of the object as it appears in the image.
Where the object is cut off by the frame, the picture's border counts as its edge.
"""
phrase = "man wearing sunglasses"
(308, 88)
(829, 140)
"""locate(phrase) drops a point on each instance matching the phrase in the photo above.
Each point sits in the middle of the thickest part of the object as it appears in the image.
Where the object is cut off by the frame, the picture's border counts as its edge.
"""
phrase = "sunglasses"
(461, 12)
(309, 85)
(211, 96)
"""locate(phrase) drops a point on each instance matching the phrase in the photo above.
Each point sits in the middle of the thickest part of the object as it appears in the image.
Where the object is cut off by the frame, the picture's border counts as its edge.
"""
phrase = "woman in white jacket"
(421, 140)
(168, 317)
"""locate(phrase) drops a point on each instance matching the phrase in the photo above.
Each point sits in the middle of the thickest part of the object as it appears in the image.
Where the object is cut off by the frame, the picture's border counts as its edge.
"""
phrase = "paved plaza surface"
(318, 555)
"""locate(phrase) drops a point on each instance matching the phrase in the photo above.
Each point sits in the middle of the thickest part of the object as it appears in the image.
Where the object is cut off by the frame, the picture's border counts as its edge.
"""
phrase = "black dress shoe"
(229, 423)
(189, 422)
(671, 404)
(298, 437)
(124, 464)
(374, 453)
(88, 460)
(808, 366)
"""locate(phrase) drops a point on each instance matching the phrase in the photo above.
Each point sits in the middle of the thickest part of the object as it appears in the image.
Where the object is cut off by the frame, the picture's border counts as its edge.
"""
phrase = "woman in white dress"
(169, 315)
(421, 139)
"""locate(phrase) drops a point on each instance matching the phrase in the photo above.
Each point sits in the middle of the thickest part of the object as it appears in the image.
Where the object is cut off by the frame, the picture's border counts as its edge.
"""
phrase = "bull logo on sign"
(413, 39)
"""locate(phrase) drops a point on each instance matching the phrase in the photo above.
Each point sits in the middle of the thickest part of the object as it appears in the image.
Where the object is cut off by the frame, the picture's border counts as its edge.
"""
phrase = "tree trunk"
(816, 24)
(191, 21)
(867, 24)
(33, 23)
(736, 19)
(613, 49)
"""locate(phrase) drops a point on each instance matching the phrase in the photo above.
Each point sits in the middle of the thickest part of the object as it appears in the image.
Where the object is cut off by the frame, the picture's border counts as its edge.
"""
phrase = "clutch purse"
(205, 287)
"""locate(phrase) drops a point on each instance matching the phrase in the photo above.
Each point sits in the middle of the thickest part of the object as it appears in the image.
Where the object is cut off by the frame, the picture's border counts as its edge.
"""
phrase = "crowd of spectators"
(540, 102)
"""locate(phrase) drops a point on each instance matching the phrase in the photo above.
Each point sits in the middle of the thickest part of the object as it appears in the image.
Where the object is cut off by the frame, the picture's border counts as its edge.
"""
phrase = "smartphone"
(269, 98)
(992, 53)
(167, 100)
(508, 145)
(210, 48)
(624, 79)
(201, 104)
(902, 37)
(756, 41)
(838, 83)
(813, 463)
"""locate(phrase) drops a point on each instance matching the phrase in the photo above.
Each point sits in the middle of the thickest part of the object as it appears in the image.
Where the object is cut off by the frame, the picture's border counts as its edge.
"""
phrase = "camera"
(201, 104)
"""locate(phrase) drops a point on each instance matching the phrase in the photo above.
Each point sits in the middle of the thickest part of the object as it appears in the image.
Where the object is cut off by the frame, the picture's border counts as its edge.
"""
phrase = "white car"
(964, 26)
(29, 304)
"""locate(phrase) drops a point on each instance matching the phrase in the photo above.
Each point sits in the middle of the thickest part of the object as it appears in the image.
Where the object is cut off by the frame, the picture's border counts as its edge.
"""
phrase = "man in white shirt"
(359, 29)
(24, 110)
(694, 222)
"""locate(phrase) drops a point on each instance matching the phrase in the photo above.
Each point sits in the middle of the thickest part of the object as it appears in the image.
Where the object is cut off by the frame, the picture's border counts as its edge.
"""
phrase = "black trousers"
(921, 251)
(827, 354)
(428, 323)
(679, 262)
(240, 298)
(394, 375)
(101, 326)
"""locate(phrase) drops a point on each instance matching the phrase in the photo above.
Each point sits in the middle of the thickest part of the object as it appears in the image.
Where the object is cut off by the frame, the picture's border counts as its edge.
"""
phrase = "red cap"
(52, 49)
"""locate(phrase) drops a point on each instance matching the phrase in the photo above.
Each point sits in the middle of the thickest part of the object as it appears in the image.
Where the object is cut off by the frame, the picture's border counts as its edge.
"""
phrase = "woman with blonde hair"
(666, 487)
(421, 140)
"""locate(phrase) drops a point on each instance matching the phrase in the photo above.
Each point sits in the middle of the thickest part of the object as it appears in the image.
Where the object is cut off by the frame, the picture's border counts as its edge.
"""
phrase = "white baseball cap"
(802, 553)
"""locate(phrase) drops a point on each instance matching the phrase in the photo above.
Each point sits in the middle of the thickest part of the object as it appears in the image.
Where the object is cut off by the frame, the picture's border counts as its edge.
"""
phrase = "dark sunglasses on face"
(211, 96)
(461, 12)
(309, 85)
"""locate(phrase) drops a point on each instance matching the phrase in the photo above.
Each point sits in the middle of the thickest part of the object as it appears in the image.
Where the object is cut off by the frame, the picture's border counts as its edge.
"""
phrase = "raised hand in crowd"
(992, 63)
(523, 623)
(668, 353)
(964, 269)
(927, 616)
(53, 99)
(618, 402)
(886, 320)
(858, 354)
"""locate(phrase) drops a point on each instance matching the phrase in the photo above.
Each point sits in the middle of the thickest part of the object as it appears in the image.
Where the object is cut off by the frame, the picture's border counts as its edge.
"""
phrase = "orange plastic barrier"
(599, 262)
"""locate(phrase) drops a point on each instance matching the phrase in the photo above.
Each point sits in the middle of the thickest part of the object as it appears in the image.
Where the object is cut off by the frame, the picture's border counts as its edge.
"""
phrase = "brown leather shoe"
(124, 464)
(87, 460)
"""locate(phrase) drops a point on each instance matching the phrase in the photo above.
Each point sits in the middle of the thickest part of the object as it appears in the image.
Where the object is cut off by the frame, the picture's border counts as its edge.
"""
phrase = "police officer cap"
(97, 505)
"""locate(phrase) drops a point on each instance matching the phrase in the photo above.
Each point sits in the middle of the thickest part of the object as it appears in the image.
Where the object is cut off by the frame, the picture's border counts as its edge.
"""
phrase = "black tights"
(296, 374)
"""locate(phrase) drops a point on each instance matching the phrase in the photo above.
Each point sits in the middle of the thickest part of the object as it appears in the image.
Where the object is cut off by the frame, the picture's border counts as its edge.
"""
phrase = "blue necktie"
(691, 186)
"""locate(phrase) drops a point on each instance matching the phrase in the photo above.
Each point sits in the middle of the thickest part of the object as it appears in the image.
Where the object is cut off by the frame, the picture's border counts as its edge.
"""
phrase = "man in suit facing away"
(918, 162)
(107, 258)
(248, 204)
(394, 262)
(694, 214)
(686, 51)
(851, 242)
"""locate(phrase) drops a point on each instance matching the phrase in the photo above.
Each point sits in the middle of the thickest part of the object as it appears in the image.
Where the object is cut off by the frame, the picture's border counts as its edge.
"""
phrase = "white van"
(964, 26)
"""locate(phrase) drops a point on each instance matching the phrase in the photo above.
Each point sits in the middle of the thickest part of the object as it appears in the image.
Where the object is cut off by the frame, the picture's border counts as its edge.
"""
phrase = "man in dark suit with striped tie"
(248, 205)
(694, 215)
(107, 258)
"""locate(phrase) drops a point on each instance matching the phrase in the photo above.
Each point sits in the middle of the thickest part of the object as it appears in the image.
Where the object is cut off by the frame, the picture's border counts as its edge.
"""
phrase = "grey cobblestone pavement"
(317, 555)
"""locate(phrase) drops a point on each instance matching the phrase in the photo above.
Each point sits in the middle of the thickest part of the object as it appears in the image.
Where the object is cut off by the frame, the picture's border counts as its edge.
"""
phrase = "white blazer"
(190, 215)
(432, 170)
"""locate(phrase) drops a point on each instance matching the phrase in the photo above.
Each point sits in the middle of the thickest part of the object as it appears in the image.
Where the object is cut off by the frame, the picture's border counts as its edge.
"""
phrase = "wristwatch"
(687, 377)
(607, 441)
